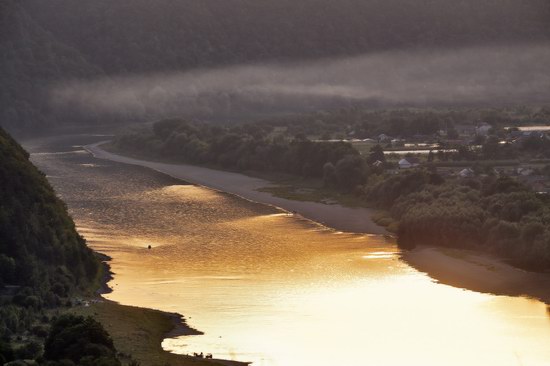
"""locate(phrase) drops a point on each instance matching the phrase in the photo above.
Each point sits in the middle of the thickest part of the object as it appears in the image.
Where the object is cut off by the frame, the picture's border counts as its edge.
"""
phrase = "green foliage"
(364, 123)
(497, 215)
(248, 147)
(39, 246)
(46, 43)
(6, 352)
(443, 222)
(384, 193)
(144, 38)
(350, 172)
(31, 60)
(376, 154)
(42, 257)
(81, 340)
(29, 351)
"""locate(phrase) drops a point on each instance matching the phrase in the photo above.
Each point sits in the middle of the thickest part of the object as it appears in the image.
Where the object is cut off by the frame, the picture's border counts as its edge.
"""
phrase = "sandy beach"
(478, 272)
(335, 216)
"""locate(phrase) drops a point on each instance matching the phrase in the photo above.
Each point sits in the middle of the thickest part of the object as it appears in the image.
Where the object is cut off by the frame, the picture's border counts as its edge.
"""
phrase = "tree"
(81, 340)
(6, 352)
(329, 175)
(452, 133)
(376, 154)
(350, 172)
(490, 148)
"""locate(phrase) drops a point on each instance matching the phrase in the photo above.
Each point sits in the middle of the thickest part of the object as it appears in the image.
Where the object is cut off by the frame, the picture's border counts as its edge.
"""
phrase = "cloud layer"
(467, 76)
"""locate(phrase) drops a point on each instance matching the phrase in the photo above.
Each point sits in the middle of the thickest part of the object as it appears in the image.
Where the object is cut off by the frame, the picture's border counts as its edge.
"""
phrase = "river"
(275, 289)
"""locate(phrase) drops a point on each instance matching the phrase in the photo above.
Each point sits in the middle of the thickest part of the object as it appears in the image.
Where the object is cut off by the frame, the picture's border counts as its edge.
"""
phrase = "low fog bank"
(468, 76)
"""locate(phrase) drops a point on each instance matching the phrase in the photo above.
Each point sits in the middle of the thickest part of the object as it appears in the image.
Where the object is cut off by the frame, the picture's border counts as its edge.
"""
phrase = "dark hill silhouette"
(46, 42)
(141, 36)
(40, 250)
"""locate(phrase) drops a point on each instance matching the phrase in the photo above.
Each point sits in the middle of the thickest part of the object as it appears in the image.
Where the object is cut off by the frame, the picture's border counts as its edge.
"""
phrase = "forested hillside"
(134, 36)
(43, 260)
(45, 43)
(39, 245)
(30, 60)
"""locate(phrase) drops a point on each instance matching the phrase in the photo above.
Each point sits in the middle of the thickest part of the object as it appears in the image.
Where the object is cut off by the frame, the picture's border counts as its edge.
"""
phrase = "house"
(465, 129)
(409, 162)
(383, 138)
(397, 142)
(466, 173)
(540, 187)
(525, 171)
(483, 129)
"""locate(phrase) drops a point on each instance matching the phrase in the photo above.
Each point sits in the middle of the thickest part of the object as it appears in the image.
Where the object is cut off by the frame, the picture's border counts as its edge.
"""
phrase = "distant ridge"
(47, 42)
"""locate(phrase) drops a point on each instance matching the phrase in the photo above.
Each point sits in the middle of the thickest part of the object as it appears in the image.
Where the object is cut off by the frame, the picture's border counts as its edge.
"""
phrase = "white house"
(525, 171)
(466, 173)
(383, 137)
(407, 163)
(483, 129)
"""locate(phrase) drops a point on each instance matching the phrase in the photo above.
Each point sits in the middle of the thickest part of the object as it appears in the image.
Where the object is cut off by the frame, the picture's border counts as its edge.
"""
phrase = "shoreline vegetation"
(469, 269)
(253, 188)
(484, 212)
(481, 208)
(52, 311)
(138, 332)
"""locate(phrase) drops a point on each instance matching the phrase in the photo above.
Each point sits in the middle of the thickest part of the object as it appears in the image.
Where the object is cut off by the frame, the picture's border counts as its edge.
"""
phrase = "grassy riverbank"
(138, 332)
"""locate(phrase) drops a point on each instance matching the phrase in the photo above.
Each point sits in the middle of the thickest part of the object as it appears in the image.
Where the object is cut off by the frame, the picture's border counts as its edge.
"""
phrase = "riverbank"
(478, 272)
(138, 332)
(459, 268)
(335, 216)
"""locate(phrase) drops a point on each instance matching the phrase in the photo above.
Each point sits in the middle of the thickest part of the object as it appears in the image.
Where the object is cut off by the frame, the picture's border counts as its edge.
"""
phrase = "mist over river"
(275, 289)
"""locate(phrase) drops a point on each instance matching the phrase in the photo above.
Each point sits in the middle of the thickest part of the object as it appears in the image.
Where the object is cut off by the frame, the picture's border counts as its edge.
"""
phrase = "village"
(470, 150)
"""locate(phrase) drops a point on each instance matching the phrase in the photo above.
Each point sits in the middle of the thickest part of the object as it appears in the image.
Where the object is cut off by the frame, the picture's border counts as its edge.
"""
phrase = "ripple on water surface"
(269, 288)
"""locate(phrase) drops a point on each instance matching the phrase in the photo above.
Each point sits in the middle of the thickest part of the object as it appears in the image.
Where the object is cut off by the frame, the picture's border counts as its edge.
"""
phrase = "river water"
(274, 289)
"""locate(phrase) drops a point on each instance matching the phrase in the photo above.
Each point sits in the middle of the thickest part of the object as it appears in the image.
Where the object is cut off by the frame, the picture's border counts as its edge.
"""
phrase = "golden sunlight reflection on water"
(279, 291)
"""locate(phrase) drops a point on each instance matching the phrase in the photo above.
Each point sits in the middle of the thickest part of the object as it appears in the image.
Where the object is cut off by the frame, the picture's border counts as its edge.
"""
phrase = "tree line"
(486, 212)
(44, 263)
(242, 147)
(493, 214)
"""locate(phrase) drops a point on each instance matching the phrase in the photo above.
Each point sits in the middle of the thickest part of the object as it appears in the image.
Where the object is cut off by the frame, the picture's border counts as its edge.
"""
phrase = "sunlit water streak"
(276, 290)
